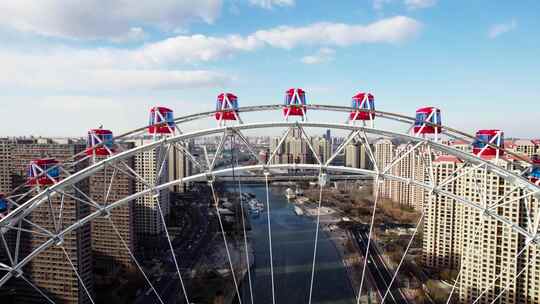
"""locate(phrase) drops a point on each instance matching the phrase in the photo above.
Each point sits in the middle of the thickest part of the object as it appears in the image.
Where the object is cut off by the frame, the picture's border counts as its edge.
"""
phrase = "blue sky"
(72, 67)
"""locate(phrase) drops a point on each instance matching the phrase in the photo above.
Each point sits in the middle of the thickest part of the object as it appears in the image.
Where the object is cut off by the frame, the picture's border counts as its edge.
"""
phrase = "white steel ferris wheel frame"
(530, 232)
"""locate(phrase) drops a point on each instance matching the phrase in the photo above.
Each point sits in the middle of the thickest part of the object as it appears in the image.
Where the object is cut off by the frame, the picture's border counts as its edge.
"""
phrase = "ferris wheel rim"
(89, 171)
(318, 107)
(77, 176)
(204, 176)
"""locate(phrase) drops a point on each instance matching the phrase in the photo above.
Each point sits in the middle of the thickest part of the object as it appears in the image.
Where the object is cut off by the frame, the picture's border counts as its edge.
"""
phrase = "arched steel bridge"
(25, 202)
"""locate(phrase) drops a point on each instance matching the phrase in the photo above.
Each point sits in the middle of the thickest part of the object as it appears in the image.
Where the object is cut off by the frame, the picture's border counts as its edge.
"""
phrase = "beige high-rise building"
(6, 154)
(108, 186)
(148, 223)
(356, 156)
(322, 147)
(6, 147)
(411, 165)
(458, 236)
(384, 154)
(491, 263)
(295, 149)
(50, 269)
(443, 220)
(180, 166)
(523, 146)
(461, 145)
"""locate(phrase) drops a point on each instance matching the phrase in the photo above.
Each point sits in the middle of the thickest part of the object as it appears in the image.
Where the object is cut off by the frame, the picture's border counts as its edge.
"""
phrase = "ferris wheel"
(52, 184)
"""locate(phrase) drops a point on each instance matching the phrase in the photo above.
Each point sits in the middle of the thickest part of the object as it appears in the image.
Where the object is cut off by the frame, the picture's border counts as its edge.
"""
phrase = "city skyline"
(181, 55)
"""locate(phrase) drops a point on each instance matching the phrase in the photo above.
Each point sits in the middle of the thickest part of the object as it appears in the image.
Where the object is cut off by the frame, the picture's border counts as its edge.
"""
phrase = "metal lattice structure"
(25, 200)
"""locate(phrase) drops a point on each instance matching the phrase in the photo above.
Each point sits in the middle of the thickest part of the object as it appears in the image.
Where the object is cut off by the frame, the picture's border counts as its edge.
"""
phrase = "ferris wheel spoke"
(266, 173)
(110, 186)
(87, 199)
(246, 248)
(216, 204)
(515, 278)
(163, 151)
(77, 274)
(18, 243)
(516, 256)
(42, 231)
(242, 213)
(20, 197)
(309, 144)
(4, 267)
(458, 173)
(91, 203)
(52, 213)
(37, 289)
(365, 142)
(400, 155)
(162, 160)
(160, 211)
(431, 170)
(135, 260)
(366, 254)
(352, 135)
(316, 241)
(7, 249)
(278, 146)
(178, 146)
(219, 150)
(471, 249)
(525, 196)
(250, 147)
(403, 258)
(133, 175)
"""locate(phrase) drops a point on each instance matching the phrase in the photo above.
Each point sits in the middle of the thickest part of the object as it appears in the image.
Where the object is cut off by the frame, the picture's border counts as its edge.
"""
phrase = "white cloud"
(389, 30)
(418, 4)
(66, 69)
(135, 34)
(322, 55)
(189, 49)
(379, 4)
(114, 79)
(501, 28)
(160, 65)
(268, 4)
(103, 19)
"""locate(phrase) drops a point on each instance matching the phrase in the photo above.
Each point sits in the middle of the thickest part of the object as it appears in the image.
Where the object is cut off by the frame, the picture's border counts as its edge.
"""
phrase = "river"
(293, 241)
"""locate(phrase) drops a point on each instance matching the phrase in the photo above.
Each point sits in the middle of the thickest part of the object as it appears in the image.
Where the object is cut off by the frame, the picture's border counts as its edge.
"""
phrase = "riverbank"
(215, 263)
(342, 240)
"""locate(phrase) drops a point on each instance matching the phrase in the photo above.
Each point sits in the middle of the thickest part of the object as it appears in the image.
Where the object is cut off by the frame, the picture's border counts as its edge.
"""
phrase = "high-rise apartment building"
(491, 264)
(384, 154)
(148, 223)
(356, 156)
(443, 220)
(180, 166)
(412, 165)
(523, 146)
(108, 186)
(295, 149)
(50, 270)
(322, 148)
(6, 147)
(457, 236)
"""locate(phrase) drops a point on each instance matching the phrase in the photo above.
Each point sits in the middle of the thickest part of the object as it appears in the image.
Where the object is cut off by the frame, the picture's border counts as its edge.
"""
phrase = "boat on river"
(290, 194)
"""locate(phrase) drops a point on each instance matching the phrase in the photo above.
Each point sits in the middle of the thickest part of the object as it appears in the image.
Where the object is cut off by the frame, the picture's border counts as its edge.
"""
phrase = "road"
(379, 270)
(188, 249)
